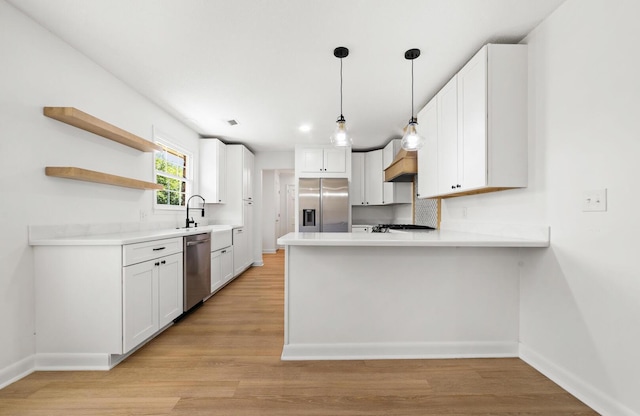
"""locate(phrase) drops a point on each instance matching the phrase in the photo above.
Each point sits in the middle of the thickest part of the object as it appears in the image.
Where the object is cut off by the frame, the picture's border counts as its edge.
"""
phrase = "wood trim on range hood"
(403, 168)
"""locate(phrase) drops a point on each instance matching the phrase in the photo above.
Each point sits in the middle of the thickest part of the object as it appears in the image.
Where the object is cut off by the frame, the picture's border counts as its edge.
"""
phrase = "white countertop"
(116, 239)
(435, 238)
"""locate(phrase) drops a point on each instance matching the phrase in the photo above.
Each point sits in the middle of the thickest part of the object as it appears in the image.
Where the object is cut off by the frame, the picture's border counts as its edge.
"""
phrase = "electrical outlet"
(594, 201)
(464, 212)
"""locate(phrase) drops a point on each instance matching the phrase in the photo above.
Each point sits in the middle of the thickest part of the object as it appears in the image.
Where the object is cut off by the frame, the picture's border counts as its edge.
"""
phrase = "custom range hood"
(403, 168)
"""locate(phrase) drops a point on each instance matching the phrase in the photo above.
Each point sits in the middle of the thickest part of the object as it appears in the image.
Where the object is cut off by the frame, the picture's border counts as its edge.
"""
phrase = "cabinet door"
(247, 174)
(472, 132)
(212, 170)
(239, 250)
(428, 154)
(216, 270)
(312, 160)
(357, 179)
(170, 288)
(374, 177)
(226, 264)
(140, 301)
(335, 160)
(447, 103)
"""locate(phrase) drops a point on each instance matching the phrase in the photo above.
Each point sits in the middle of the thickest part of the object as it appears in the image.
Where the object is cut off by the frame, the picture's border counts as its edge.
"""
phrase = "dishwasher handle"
(193, 243)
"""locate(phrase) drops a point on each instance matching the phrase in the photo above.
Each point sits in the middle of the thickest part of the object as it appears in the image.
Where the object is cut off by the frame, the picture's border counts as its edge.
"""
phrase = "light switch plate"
(594, 201)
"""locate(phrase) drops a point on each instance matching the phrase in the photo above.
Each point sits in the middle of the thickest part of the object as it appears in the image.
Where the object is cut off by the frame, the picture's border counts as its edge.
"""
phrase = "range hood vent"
(403, 168)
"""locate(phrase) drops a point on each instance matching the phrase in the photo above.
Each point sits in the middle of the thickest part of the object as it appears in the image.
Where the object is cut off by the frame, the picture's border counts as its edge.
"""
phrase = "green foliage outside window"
(171, 173)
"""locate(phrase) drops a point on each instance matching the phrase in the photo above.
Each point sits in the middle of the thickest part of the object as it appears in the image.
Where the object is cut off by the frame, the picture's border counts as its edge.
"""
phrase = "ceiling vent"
(232, 122)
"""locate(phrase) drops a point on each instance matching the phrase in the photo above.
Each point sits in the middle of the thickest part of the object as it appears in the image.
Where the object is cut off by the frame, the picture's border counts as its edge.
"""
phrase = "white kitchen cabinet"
(449, 158)
(374, 177)
(239, 185)
(140, 298)
(213, 166)
(356, 185)
(481, 126)
(96, 303)
(323, 161)
(217, 279)
(226, 264)
(170, 288)
(394, 192)
(428, 154)
(367, 178)
(152, 297)
(247, 174)
(221, 259)
(240, 250)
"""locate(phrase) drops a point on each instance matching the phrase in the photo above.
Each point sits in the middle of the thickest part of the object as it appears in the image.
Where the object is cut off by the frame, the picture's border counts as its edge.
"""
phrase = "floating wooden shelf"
(84, 121)
(98, 177)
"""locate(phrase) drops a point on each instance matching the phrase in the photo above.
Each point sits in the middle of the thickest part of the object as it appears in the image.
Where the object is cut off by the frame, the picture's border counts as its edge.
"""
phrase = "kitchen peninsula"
(441, 294)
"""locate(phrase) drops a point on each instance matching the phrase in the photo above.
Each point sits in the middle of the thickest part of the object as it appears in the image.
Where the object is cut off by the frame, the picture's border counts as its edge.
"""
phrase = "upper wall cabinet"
(481, 128)
(213, 166)
(323, 161)
(367, 186)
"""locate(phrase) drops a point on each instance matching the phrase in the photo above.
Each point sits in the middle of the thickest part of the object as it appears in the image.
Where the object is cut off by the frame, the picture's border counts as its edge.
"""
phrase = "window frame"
(168, 142)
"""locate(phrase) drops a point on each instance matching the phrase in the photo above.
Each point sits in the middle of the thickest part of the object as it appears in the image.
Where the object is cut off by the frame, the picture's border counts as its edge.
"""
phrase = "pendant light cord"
(341, 116)
(412, 89)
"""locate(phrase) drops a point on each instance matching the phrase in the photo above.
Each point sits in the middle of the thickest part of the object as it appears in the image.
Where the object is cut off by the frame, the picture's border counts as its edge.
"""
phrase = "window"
(173, 171)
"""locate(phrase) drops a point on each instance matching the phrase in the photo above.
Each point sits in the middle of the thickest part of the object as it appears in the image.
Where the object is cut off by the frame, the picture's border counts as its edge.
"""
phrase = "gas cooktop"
(384, 228)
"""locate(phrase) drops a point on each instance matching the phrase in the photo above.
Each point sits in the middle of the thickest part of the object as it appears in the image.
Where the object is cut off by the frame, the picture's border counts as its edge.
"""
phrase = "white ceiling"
(269, 63)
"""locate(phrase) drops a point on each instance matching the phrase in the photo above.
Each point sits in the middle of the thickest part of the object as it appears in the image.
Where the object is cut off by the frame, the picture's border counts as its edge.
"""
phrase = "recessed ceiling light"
(305, 128)
(232, 122)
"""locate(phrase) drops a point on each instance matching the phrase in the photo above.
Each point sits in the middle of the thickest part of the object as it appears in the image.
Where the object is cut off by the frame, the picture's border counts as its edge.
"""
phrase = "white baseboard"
(384, 351)
(16, 371)
(591, 396)
(72, 362)
(269, 251)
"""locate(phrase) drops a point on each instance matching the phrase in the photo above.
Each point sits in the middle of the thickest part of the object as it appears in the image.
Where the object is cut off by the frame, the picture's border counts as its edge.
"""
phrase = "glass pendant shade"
(411, 140)
(340, 137)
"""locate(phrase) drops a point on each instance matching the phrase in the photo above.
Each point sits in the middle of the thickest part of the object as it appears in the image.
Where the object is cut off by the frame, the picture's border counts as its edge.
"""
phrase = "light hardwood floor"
(224, 359)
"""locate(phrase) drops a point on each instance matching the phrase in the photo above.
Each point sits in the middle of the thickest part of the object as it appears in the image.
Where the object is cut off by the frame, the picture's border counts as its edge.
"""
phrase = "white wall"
(268, 211)
(40, 70)
(266, 161)
(286, 179)
(580, 299)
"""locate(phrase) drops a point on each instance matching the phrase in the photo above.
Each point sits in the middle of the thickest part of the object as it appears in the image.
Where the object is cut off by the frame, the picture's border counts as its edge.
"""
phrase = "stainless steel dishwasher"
(197, 269)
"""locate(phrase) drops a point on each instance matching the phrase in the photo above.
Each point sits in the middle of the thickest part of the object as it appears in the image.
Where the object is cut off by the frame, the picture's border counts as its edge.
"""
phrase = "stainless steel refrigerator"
(323, 205)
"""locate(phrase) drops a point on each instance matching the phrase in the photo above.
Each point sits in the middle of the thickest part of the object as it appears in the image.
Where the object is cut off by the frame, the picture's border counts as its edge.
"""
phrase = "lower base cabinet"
(97, 303)
(152, 297)
(241, 254)
(221, 267)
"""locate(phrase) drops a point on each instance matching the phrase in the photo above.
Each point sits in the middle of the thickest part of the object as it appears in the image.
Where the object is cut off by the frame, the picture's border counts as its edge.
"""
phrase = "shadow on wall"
(568, 317)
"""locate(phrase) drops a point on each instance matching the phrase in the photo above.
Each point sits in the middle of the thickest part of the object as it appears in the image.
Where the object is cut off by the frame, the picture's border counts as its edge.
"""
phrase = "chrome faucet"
(191, 221)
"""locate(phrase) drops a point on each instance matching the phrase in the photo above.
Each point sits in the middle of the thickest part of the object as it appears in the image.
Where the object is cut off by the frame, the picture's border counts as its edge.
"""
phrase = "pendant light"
(411, 139)
(340, 136)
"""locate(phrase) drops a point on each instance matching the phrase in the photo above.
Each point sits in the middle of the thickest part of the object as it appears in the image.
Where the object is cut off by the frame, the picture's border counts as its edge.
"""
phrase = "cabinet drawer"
(139, 252)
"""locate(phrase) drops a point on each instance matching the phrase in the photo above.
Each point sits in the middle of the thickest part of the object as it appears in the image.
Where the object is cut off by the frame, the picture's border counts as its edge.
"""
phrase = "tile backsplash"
(426, 210)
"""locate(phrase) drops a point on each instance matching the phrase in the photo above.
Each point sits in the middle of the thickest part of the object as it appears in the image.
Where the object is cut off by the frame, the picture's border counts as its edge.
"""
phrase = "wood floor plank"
(224, 359)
